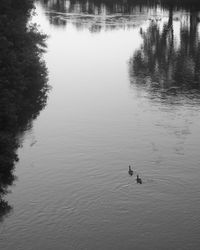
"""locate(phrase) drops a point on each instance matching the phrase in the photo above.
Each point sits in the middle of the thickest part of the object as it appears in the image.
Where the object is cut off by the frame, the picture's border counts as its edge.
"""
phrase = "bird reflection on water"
(130, 171)
(138, 179)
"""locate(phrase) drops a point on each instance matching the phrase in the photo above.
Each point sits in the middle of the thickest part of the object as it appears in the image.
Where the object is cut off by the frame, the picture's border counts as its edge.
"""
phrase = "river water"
(125, 90)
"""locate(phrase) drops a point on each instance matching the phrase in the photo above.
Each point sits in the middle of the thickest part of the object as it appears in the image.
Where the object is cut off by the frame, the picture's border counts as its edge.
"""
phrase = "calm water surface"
(125, 90)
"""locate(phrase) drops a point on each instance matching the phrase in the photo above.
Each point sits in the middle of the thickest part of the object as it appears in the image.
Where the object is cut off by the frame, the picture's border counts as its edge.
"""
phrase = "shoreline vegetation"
(23, 84)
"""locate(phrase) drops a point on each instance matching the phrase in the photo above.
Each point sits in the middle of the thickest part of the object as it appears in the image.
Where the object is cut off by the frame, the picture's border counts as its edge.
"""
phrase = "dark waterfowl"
(130, 171)
(138, 179)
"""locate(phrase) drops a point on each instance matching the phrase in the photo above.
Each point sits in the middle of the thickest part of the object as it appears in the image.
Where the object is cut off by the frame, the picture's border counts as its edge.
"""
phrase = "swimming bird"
(130, 171)
(138, 179)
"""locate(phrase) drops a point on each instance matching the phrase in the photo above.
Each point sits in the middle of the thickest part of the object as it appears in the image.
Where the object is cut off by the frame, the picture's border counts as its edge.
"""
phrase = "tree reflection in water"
(168, 62)
(109, 14)
(168, 59)
(96, 15)
(23, 85)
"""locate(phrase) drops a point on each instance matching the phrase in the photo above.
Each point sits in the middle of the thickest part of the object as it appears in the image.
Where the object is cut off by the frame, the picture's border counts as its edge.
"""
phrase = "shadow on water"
(23, 85)
(168, 61)
(110, 14)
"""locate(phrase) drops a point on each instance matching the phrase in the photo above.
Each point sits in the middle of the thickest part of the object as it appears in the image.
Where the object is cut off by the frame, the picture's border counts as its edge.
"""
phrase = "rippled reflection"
(5, 181)
(168, 61)
(96, 15)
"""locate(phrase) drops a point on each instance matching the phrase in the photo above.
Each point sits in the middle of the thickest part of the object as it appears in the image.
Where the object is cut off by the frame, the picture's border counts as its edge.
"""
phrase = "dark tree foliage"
(23, 83)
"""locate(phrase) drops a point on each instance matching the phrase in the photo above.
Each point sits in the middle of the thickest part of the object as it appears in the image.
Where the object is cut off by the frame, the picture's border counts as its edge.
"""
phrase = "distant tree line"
(23, 83)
